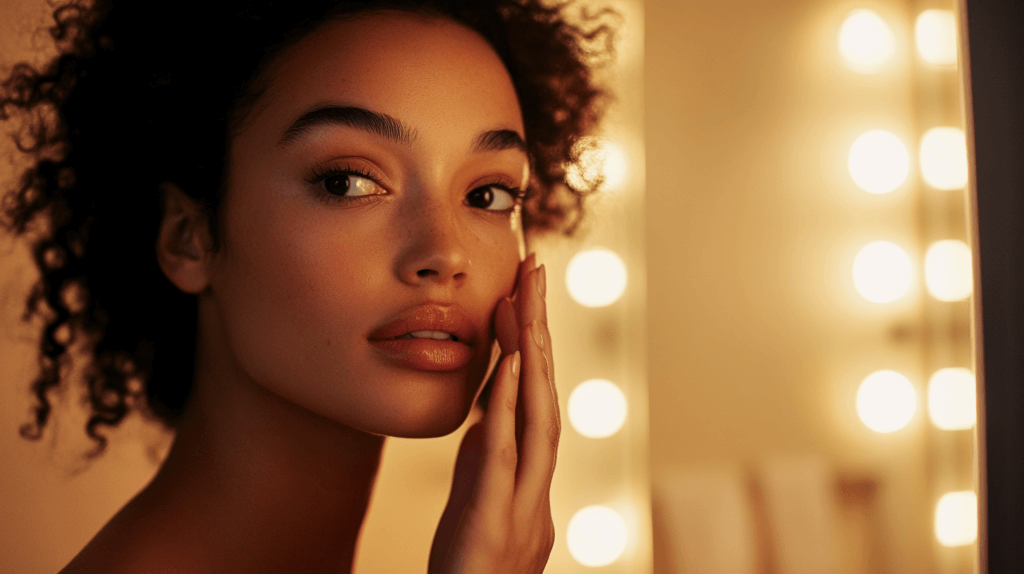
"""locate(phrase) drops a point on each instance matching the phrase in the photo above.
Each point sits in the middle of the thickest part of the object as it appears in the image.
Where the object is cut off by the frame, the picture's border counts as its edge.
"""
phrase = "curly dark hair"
(143, 93)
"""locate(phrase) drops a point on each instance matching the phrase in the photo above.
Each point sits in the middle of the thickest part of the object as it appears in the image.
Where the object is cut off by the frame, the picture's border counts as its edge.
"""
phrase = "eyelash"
(323, 172)
(518, 194)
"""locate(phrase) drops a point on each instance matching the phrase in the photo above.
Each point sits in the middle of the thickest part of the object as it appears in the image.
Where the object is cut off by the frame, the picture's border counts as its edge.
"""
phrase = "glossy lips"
(427, 353)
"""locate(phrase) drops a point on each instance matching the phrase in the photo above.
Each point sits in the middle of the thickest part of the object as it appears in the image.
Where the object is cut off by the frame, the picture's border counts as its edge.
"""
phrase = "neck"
(266, 484)
(253, 483)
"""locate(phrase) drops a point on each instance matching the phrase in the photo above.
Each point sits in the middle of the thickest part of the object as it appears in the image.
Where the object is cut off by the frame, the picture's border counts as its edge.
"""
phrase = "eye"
(491, 197)
(350, 185)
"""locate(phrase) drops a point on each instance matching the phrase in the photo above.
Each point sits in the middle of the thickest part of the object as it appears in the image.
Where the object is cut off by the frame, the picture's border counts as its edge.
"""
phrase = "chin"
(434, 411)
(422, 406)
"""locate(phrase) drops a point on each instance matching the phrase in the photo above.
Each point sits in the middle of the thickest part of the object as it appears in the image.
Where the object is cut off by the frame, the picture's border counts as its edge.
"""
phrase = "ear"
(184, 243)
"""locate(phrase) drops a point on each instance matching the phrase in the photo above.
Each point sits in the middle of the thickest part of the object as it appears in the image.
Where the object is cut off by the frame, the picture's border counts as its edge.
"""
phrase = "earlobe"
(182, 242)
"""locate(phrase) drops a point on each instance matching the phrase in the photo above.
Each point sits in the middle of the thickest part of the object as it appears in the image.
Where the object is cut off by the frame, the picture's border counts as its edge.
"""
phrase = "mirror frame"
(993, 56)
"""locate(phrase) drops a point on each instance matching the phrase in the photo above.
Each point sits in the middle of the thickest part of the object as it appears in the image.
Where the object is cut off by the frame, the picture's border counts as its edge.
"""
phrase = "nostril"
(426, 272)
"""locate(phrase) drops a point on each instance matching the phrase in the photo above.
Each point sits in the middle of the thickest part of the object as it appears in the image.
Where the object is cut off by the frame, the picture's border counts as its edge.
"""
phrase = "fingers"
(532, 306)
(529, 296)
(541, 418)
(506, 327)
(497, 476)
(541, 425)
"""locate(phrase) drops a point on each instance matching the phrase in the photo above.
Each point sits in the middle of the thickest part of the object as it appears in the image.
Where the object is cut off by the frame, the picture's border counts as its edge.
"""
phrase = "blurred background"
(762, 331)
(809, 279)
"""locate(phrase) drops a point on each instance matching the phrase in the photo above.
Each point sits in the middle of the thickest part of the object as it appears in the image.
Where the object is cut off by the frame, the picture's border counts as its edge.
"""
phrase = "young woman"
(288, 232)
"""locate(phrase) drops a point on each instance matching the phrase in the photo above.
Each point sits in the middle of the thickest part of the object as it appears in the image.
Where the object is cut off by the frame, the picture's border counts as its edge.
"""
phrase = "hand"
(498, 517)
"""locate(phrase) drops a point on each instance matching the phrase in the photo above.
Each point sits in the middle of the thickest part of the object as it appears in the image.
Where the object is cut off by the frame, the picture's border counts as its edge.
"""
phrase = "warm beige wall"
(48, 508)
(757, 340)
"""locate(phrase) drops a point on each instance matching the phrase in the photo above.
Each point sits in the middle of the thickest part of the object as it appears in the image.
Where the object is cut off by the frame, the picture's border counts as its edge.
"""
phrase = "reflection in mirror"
(55, 501)
(809, 276)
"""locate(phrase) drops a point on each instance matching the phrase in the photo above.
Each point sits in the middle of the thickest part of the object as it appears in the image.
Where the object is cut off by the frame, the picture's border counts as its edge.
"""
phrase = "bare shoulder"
(139, 540)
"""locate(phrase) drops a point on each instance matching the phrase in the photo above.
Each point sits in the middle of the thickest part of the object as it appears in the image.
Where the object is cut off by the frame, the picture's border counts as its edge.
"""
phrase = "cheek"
(500, 247)
(495, 254)
(298, 288)
(294, 295)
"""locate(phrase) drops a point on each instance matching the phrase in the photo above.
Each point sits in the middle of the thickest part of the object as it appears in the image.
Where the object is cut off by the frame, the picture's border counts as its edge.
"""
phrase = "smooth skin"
(324, 238)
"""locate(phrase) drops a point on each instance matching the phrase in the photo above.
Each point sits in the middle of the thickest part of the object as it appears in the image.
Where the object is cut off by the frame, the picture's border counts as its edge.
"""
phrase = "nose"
(434, 250)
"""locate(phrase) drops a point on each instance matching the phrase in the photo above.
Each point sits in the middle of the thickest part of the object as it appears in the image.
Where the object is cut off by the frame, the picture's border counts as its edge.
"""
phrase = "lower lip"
(426, 354)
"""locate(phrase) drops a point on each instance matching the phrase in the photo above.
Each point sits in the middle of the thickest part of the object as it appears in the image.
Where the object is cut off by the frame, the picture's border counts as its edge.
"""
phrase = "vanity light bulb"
(597, 408)
(882, 272)
(596, 277)
(878, 162)
(943, 158)
(596, 536)
(866, 42)
(614, 165)
(935, 36)
(886, 401)
(952, 399)
(947, 270)
(599, 157)
(956, 518)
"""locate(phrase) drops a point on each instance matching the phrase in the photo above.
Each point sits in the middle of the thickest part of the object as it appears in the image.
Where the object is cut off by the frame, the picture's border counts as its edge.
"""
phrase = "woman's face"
(368, 219)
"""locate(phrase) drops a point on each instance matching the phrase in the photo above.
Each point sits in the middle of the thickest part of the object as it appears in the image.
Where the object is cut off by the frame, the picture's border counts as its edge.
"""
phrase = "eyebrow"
(376, 123)
(387, 127)
(498, 140)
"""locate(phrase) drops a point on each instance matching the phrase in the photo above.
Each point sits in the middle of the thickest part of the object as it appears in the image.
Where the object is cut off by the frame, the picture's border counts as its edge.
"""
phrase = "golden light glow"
(886, 401)
(597, 408)
(866, 42)
(882, 272)
(935, 36)
(952, 399)
(943, 157)
(599, 158)
(596, 277)
(956, 518)
(878, 162)
(596, 536)
(947, 270)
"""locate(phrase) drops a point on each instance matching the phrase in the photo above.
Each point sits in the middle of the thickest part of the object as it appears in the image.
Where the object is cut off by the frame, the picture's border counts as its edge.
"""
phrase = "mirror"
(809, 281)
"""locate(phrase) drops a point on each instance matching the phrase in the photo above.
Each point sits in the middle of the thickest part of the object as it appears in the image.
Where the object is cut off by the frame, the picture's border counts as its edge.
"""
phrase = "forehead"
(430, 73)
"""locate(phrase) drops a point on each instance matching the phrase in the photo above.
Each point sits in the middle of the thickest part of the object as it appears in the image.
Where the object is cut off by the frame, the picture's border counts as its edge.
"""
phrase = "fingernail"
(542, 282)
(538, 337)
(515, 364)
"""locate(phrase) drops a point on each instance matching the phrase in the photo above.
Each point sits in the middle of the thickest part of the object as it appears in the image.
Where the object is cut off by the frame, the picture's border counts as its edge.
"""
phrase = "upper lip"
(450, 319)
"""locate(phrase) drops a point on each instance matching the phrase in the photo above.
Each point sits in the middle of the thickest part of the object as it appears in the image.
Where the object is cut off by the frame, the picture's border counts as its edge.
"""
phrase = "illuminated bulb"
(599, 158)
(943, 158)
(886, 401)
(596, 536)
(935, 35)
(952, 399)
(597, 408)
(866, 42)
(878, 162)
(596, 277)
(881, 272)
(615, 165)
(947, 270)
(956, 518)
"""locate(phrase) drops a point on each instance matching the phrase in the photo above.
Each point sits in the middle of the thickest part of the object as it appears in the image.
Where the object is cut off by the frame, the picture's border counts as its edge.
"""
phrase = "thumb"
(467, 469)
